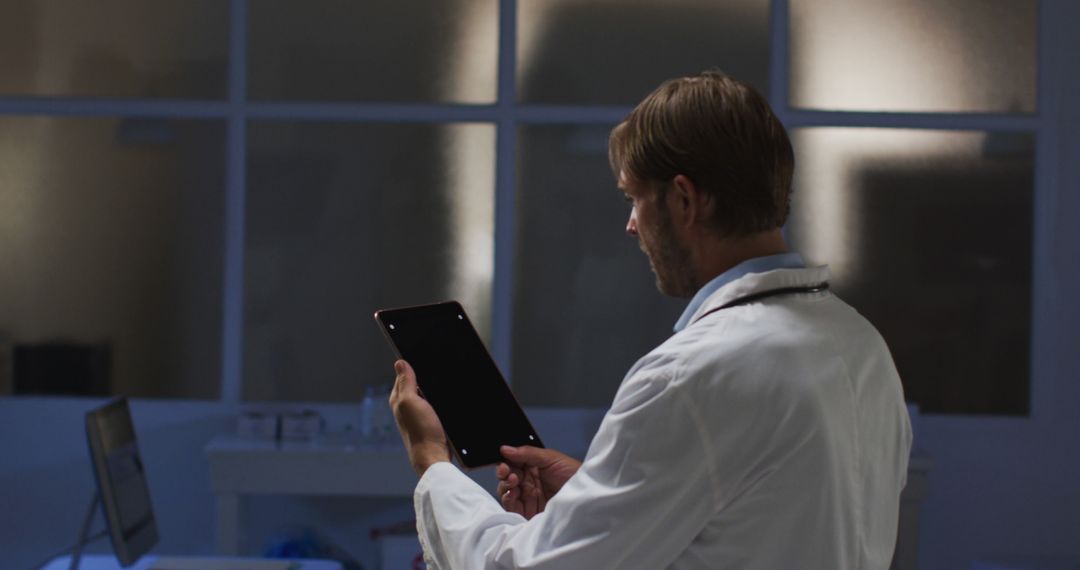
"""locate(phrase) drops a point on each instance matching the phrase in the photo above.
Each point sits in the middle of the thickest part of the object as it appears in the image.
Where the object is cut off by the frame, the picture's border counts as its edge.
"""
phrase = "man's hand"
(421, 430)
(531, 476)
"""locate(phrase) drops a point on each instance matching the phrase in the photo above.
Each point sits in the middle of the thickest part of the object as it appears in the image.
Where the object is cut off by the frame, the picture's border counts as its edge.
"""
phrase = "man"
(769, 432)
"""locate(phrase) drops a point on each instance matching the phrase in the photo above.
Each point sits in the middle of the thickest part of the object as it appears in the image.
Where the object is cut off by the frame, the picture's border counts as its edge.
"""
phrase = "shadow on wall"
(616, 52)
(114, 236)
(954, 306)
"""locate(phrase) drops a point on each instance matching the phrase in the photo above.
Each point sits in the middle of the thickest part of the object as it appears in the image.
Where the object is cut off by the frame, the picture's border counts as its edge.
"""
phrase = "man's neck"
(716, 255)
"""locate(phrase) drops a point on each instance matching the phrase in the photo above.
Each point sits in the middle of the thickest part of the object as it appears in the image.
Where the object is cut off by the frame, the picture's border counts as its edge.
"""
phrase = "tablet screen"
(458, 377)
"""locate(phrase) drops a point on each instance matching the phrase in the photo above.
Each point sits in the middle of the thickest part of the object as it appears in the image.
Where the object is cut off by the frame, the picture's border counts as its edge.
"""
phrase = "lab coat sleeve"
(643, 493)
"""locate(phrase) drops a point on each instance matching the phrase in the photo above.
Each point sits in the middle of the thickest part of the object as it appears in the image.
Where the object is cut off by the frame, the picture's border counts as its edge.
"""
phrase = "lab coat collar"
(753, 283)
(786, 260)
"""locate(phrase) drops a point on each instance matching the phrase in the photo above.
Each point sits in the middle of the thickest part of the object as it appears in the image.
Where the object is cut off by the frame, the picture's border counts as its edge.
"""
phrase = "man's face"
(650, 220)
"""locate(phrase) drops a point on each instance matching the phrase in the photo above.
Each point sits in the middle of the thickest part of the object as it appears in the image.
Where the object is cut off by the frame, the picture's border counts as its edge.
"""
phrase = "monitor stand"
(76, 552)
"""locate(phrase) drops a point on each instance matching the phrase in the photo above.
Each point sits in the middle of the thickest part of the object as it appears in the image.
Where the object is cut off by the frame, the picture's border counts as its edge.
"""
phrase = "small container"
(384, 416)
(367, 415)
(301, 425)
(257, 425)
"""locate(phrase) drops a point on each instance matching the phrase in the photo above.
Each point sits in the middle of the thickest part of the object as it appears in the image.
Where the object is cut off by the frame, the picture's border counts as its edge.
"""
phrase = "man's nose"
(631, 224)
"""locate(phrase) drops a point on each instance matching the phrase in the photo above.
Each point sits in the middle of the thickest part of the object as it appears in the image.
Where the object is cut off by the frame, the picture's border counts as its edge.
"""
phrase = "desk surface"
(152, 562)
(325, 466)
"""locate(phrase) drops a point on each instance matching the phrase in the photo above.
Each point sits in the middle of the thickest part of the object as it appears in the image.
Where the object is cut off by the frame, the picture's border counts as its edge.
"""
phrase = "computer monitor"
(121, 480)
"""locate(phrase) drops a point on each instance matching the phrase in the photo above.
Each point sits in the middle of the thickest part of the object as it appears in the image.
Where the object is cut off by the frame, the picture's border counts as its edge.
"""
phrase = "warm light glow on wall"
(471, 160)
(471, 163)
(914, 55)
(831, 161)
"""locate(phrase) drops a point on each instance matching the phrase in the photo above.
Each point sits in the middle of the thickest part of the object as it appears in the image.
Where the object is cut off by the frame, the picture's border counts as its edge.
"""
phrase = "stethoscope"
(766, 294)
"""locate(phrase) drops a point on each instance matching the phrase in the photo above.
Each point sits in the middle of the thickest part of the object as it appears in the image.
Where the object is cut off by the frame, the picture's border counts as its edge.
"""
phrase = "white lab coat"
(771, 435)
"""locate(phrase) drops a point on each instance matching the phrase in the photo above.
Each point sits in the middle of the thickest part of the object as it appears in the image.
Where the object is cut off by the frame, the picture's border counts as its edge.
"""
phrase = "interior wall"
(1004, 489)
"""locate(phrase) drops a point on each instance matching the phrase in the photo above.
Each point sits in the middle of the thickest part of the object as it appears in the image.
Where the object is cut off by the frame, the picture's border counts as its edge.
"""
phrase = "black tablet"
(457, 375)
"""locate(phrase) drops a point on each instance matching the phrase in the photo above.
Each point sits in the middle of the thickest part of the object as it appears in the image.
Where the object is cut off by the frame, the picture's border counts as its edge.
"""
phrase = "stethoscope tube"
(766, 294)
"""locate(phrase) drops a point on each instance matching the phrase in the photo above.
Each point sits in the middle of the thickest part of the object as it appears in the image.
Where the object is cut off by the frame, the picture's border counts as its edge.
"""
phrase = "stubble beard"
(669, 261)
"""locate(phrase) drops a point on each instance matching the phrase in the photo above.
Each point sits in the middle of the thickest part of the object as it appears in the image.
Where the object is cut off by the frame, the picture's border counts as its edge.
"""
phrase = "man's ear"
(691, 203)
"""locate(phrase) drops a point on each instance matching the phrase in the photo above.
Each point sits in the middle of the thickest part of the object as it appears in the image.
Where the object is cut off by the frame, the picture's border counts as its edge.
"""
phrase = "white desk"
(152, 562)
(340, 467)
(914, 493)
(321, 467)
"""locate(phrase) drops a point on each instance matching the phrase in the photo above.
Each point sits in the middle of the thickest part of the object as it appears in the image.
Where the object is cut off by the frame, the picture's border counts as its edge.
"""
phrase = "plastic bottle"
(384, 417)
(367, 415)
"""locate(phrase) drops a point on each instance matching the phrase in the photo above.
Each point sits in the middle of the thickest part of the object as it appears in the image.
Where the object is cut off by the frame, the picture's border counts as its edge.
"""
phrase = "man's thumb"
(523, 454)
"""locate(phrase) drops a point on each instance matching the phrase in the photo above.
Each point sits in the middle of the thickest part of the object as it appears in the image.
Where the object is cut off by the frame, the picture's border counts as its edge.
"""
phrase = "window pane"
(914, 55)
(928, 234)
(429, 50)
(111, 244)
(616, 51)
(585, 302)
(345, 219)
(117, 48)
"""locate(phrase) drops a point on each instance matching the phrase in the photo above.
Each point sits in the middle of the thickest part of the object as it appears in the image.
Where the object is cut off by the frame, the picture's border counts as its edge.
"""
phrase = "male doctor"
(769, 432)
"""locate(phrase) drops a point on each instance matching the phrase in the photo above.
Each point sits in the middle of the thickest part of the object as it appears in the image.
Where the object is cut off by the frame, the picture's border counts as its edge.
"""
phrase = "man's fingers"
(504, 472)
(531, 493)
(526, 455)
(530, 485)
(512, 494)
(406, 378)
(529, 501)
(511, 501)
(521, 495)
(400, 381)
(511, 454)
(511, 482)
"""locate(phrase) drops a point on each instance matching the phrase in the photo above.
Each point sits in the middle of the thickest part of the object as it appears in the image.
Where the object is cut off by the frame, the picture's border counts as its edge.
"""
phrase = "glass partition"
(613, 52)
(928, 234)
(966, 56)
(114, 48)
(585, 302)
(111, 240)
(342, 50)
(346, 219)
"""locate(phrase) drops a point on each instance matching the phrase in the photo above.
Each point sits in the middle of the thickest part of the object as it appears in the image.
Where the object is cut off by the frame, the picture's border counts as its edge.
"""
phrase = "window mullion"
(505, 187)
(778, 59)
(796, 118)
(232, 341)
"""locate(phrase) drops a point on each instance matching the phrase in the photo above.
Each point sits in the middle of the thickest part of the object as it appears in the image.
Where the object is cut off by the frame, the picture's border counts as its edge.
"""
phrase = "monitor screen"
(121, 480)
